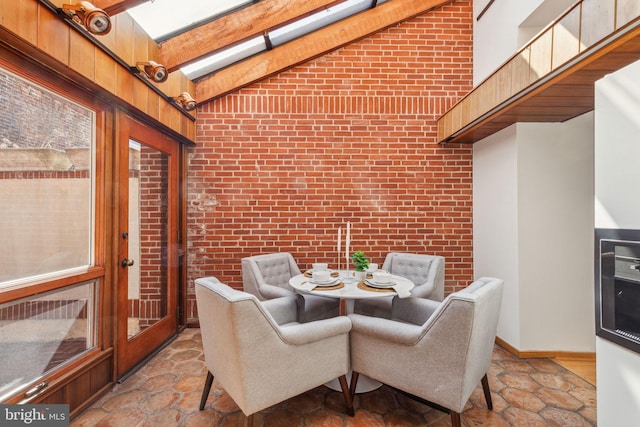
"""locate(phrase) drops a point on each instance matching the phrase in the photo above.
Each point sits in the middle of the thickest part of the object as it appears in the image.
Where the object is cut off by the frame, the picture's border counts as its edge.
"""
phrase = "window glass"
(46, 182)
(161, 17)
(40, 333)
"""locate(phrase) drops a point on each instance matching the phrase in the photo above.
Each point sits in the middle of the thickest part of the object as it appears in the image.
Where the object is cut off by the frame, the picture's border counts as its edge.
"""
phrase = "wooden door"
(148, 169)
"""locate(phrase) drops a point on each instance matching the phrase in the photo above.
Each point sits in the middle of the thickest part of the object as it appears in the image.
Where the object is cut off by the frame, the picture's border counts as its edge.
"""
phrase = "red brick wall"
(350, 136)
(153, 229)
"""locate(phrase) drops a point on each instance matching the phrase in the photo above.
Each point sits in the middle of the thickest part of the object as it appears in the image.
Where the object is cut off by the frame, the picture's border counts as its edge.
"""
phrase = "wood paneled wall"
(577, 31)
(40, 27)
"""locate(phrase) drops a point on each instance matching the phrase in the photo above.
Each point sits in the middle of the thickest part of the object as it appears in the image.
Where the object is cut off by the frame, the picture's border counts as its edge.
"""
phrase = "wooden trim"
(64, 375)
(17, 51)
(183, 259)
(124, 36)
(130, 351)
(28, 289)
(532, 85)
(579, 356)
(61, 48)
(502, 343)
(565, 355)
(193, 324)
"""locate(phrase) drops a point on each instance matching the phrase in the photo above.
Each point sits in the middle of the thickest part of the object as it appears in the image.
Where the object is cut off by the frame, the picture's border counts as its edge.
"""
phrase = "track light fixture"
(185, 101)
(95, 20)
(154, 71)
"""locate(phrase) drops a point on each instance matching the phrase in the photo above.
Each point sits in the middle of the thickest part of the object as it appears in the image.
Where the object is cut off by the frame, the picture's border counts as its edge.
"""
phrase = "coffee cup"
(373, 267)
(319, 266)
(381, 277)
(321, 276)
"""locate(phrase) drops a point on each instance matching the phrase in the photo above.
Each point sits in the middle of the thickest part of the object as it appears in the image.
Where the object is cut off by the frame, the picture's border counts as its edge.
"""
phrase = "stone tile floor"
(166, 392)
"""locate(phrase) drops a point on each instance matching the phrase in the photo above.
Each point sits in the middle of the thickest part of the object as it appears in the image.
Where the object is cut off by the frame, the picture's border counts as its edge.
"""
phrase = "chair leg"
(455, 419)
(207, 389)
(354, 383)
(347, 395)
(248, 420)
(487, 392)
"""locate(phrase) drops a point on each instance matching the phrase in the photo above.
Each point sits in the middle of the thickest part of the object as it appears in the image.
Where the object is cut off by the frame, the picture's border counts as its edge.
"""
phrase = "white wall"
(540, 17)
(555, 211)
(505, 27)
(533, 228)
(618, 391)
(617, 177)
(617, 149)
(533, 201)
(495, 223)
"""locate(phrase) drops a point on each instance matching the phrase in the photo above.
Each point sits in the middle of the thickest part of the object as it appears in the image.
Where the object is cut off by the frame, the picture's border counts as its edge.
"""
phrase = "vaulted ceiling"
(258, 19)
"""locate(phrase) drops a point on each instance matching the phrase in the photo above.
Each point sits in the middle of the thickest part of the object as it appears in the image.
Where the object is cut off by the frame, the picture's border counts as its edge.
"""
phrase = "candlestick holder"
(348, 278)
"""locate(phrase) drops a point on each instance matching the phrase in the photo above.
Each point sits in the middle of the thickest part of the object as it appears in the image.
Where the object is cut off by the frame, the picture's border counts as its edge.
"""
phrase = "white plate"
(380, 285)
(329, 283)
(332, 272)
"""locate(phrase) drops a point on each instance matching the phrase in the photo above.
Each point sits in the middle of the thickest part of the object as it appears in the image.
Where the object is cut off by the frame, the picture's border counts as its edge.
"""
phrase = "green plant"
(360, 260)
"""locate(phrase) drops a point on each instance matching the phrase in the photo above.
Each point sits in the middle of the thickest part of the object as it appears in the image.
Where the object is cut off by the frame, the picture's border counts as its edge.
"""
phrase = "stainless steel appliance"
(617, 286)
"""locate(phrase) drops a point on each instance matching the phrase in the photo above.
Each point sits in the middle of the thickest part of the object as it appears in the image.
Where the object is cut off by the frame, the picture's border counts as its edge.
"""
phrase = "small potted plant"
(361, 262)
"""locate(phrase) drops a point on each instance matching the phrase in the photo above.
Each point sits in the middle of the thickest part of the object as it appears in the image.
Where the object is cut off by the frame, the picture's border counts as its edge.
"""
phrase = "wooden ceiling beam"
(236, 27)
(311, 46)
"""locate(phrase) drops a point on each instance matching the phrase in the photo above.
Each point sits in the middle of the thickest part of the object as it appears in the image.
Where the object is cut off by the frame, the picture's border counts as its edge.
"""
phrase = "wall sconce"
(185, 101)
(95, 20)
(154, 71)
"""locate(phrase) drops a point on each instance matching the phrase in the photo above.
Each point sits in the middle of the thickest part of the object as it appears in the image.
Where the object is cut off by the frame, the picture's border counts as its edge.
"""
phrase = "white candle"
(347, 242)
(339, 243)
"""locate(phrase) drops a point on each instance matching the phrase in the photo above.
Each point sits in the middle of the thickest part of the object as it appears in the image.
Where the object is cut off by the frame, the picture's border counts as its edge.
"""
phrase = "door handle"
(127, 262)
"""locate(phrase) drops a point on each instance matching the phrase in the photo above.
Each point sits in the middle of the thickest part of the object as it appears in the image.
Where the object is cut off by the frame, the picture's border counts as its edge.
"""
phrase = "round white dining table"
(349, 292)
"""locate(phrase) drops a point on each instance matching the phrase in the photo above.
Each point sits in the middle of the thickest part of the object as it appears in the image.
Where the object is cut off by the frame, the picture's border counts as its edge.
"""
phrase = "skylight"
(162, 17)
(225, 57)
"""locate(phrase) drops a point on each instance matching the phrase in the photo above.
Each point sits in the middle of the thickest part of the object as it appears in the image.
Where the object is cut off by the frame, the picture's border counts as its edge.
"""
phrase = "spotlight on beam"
(95, 20)
(154, 71)
(185, 101)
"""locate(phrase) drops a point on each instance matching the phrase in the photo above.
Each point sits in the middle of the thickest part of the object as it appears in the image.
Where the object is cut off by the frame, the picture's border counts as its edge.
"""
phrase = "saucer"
(334, 273)
(331, 282)
(380, 285)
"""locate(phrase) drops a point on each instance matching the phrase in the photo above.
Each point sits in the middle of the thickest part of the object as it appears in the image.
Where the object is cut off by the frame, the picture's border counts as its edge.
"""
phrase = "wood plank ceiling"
(259, 18)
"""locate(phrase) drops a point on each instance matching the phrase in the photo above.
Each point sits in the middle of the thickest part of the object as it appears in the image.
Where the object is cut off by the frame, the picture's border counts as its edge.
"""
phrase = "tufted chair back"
(260, 354)
(425, 271)
(273, 269)
(435, 351)
(267, 277)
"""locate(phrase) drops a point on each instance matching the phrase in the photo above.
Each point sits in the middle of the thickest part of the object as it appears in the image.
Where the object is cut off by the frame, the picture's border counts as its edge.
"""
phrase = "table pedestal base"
(365, 384)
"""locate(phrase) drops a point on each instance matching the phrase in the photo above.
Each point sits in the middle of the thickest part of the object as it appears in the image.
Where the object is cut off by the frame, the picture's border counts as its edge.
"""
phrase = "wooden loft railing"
(551, 78)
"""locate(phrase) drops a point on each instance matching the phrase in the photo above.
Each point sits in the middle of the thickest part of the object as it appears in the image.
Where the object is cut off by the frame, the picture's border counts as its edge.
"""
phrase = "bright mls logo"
(34, 415)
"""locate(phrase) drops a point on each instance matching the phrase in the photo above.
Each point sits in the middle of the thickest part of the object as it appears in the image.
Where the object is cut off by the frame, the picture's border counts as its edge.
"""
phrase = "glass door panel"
(148, 231)
(148, 277)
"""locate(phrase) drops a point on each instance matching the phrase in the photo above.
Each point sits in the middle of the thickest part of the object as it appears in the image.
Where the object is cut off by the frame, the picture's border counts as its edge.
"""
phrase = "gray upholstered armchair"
(425, 271)
(267, 276)
(260, 354)
(437, 352)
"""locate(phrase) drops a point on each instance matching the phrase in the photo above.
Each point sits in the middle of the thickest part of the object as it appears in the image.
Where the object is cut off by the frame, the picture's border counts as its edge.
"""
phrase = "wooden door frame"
(130, 352)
